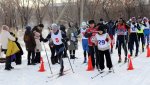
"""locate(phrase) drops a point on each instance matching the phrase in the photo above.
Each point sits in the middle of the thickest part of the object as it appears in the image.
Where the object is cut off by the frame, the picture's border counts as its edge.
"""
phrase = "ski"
(56, 77)
(106, 74)
(97, 75)
(58, 73)
(61, 75)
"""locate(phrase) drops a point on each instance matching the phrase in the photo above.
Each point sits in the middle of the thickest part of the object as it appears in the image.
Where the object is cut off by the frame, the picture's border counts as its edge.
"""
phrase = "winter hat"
(101, 29)
(55, 26)
(83, 24)
(91, 22)
(145, 19)
(133, 19)
(5, 27)
(41, 25)
(101, 20)
(28, 28)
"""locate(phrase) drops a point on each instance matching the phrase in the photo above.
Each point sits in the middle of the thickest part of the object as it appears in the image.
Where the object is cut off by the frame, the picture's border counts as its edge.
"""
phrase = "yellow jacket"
(12, 48)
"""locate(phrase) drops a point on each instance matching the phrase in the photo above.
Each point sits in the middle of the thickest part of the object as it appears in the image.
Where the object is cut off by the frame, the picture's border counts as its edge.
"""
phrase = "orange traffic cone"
(148, 51)
(90, 67)
(42, 69)
(41, 59)
(130, 66)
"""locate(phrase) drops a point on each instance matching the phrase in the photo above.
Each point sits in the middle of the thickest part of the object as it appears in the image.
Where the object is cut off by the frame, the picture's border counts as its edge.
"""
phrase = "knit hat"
(28, 28)
(83, 24)
(55, 26)
(41, 25)
(5, 27)
(91, 22)
(101, 29)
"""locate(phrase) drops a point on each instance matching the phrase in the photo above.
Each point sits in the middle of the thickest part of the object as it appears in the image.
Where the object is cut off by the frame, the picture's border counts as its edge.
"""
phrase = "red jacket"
(93, 31)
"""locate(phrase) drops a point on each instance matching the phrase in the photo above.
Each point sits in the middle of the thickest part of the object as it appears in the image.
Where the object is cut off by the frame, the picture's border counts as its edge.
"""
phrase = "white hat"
(83, 24)
(55, 26)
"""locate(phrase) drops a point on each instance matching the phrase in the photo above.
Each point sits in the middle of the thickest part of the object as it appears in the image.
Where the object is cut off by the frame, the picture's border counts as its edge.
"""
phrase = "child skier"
(56, 35)
(90, 34)
(103, 44)
(84, 40)
(122, 40)
(134, 27)
(146, 30)
(141, 33)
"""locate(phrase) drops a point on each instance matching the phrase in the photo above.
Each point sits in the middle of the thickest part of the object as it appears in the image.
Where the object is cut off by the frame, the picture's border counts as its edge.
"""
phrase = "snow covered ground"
(29, 75)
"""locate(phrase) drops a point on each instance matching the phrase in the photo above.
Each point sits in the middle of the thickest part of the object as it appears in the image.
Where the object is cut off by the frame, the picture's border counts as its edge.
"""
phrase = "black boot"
(61, 71)
(85, 60)
(119, 61)
(72, 57)
(8, 69)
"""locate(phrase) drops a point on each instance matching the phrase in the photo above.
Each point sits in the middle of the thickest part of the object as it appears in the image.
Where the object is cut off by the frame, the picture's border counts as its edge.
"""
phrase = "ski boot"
(61, 71)
(119, 61)
(85, 60)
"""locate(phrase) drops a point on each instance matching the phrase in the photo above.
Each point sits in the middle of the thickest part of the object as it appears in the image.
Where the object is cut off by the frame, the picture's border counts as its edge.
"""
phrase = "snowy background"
(29, 75)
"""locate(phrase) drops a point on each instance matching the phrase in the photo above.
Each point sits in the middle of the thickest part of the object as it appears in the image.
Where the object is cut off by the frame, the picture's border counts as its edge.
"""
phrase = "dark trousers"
(91, 53)
(133, 39)
(59, 51)
(8, 60)
(31, 59)
(122, 42)
(54, 58)
(72, 53)
(37, 57)
(18, 59)
(141, 38)
(102, 61)
(97, 57)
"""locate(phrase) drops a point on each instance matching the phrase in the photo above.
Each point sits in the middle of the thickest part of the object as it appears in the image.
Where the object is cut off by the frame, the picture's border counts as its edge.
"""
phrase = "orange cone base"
(42, 67)
(148, 51)
(90, 67)
(130, 68)
(41, 70)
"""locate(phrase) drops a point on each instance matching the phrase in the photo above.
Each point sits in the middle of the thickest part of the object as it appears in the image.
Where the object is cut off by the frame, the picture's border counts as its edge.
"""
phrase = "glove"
(90, 34)
(68, 42)
(106, 39)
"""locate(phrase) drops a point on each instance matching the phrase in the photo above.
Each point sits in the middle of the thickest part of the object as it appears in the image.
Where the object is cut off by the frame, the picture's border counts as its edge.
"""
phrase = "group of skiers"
(97, 41)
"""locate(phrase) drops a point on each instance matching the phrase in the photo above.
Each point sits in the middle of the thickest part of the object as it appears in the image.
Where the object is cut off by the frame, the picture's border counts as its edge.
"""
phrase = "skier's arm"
(88, 34)
(128, 28)
(138, 27)
(47, 38)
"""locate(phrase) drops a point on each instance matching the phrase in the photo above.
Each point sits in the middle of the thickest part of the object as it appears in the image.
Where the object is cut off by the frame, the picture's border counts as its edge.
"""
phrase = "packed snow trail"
(29, 75)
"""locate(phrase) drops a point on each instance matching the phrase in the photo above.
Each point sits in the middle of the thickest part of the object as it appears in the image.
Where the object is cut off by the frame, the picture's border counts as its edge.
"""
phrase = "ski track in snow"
(29, 75)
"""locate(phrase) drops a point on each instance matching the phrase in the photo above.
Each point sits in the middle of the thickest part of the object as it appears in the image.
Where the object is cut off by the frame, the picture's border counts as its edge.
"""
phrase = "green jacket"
(72, 34)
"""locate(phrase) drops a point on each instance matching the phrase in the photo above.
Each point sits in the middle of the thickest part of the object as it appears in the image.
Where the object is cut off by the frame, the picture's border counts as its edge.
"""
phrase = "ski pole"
(69, 60)
(48, 60)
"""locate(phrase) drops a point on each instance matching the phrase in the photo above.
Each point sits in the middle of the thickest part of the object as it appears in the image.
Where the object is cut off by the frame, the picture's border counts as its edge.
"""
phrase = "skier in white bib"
(103, 44)
(57, 37)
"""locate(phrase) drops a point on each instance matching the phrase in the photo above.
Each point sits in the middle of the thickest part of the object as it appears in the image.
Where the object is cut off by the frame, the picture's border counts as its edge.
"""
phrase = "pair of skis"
(57, 75)
(103, 74)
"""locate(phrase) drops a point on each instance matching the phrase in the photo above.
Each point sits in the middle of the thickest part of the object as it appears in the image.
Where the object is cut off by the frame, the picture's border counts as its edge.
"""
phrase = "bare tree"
(25, 9)
(41, 9)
